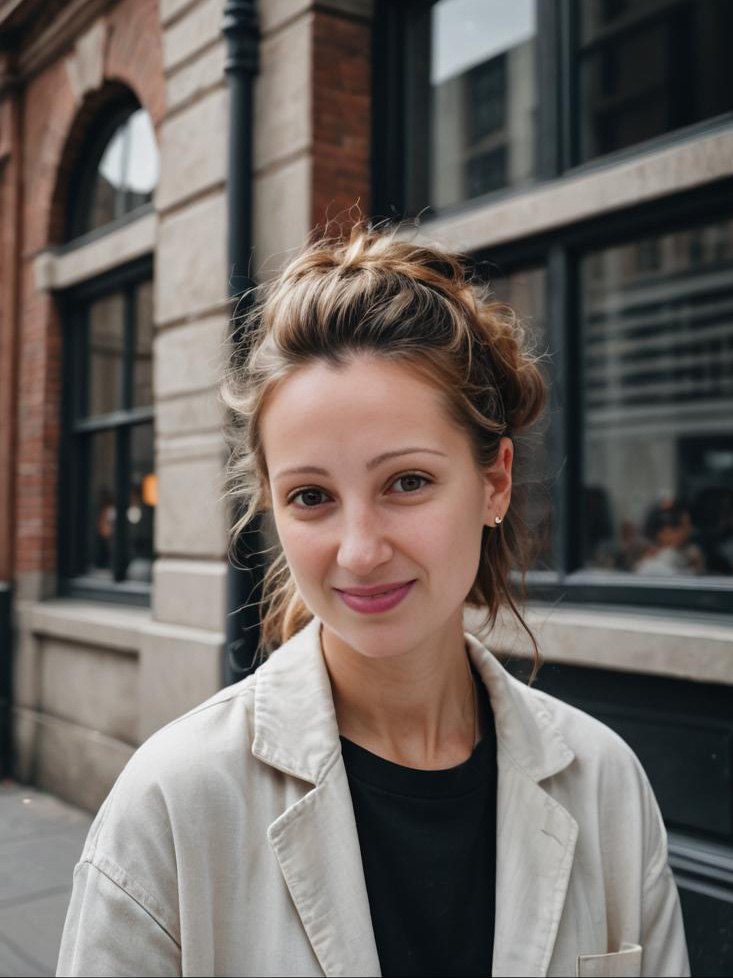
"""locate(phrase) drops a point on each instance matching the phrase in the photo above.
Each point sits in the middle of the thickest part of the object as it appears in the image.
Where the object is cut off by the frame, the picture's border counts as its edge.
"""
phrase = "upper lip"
(363, 592)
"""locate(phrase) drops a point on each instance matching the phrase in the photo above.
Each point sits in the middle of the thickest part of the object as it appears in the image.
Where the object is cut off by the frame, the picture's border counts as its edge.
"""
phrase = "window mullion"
(549, 67)
(119, 562)
(565, 403)
(567, 14)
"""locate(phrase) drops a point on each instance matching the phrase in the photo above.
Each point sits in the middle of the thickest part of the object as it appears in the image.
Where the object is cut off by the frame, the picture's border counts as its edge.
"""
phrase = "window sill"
(55, 270)
(584, 193)
(682, 645)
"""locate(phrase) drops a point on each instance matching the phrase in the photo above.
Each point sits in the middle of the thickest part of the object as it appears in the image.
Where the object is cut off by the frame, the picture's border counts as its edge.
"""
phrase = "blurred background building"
(580, 150)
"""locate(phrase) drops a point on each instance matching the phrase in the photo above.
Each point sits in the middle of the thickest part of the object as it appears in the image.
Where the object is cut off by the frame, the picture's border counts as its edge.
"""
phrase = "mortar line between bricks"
(23, 955)
(40, 895)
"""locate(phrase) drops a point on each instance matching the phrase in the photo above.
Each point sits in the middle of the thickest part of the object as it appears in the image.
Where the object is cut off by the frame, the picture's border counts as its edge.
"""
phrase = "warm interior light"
(150, 489)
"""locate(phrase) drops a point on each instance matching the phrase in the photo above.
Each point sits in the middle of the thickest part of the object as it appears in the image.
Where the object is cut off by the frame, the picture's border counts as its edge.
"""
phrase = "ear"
(498, 480)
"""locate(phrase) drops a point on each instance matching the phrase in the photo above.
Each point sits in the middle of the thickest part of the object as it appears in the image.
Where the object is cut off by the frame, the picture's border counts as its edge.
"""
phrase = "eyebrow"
(316, 470)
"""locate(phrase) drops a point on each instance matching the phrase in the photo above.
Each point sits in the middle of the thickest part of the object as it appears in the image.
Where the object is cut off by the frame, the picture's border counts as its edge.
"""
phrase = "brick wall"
(341, 115)
(54, 122)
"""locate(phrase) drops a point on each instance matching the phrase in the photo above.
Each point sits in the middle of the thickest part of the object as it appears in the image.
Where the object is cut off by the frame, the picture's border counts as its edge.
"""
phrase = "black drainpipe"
(244, 583)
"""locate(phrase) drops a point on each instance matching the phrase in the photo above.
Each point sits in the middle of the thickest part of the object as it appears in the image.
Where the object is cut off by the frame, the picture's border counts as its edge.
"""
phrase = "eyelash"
(405, 475)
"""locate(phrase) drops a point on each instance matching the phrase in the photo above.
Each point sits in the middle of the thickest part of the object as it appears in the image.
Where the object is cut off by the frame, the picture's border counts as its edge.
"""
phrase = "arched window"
(118, 169)
(108, 471)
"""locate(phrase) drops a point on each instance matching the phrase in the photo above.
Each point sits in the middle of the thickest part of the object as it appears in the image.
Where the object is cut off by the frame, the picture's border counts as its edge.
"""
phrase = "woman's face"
(372, 485)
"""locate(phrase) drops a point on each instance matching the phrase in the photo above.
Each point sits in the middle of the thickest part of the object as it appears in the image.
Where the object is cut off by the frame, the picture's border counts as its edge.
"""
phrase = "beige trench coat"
(228, 846)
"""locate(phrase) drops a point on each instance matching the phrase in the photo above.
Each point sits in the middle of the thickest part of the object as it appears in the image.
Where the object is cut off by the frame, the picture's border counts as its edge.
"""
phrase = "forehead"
(368, 402)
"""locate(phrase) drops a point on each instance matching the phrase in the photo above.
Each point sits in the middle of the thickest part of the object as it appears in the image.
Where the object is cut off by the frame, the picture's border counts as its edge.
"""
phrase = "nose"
(362, 545)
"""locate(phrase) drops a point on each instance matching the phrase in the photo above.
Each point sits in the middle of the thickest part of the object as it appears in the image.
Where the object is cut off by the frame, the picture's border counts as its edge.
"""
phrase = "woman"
(381, 796)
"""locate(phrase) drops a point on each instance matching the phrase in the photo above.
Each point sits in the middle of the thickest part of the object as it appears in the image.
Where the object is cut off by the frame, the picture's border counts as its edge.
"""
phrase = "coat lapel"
(535, 835)
(315, 840)
(317, 846)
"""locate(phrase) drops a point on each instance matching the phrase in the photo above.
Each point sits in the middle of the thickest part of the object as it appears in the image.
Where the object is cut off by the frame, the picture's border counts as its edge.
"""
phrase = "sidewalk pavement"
(41, 839)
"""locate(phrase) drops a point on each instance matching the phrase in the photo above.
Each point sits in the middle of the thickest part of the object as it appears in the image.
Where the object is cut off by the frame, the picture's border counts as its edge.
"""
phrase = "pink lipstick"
(373, 600)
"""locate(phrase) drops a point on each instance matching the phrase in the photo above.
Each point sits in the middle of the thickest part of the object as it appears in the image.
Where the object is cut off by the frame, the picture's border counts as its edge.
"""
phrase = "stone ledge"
(664, 645)
(611, 186)
(91, 623)
(52, 270)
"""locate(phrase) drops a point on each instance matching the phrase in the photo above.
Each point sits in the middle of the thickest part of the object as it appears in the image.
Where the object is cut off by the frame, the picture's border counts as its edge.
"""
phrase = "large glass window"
(110, 484)
(647, 67)
(472, 98)
(107, 472)
(657, 350)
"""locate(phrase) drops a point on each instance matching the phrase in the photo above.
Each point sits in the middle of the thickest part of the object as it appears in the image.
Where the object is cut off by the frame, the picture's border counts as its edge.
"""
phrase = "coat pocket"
(625, 963)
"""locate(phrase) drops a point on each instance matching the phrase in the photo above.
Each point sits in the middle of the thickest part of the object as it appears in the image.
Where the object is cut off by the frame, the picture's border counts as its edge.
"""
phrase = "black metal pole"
(244, 583)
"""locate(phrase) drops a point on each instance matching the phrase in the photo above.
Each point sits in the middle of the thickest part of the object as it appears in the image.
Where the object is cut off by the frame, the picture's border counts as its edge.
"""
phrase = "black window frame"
(73, 307)
(560, 253)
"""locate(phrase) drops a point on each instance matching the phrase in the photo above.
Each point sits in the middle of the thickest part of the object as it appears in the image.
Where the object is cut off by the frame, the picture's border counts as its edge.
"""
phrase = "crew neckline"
(370, 769)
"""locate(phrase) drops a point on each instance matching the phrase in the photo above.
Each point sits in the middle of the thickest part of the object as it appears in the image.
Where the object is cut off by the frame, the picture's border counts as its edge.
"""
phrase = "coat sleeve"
(663, 932)
(108, 930)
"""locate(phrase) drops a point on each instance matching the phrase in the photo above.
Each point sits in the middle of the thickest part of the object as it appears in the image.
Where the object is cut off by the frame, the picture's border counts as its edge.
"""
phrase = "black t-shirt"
(428, 846)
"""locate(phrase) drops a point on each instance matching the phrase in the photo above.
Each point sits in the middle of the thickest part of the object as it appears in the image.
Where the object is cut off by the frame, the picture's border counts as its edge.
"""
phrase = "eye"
(409, 480)
(308, 495)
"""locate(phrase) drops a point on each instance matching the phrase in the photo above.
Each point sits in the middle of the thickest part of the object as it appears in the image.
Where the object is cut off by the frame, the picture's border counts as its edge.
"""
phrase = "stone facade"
(92, 680)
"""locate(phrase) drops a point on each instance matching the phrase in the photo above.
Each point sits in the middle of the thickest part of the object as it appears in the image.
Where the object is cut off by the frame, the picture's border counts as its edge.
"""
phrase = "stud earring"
(497, 519)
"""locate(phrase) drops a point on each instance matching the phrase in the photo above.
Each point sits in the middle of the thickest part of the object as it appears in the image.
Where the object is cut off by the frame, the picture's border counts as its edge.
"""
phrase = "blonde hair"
(375, 293)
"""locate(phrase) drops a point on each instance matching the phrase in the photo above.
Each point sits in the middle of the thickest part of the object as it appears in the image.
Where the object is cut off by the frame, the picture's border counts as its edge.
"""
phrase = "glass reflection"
(102, 512)
(106, 354)
(141, 504)
(649, 67)
(482, 80)
(142, 393)
(658, 440)
(128, 171)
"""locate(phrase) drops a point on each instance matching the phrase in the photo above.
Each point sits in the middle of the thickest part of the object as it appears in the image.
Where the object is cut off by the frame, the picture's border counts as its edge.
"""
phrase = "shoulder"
(606, 783)
(177, 773)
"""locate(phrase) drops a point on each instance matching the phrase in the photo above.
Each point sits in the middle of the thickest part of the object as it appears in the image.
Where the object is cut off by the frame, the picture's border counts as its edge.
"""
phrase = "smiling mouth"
(371, 593)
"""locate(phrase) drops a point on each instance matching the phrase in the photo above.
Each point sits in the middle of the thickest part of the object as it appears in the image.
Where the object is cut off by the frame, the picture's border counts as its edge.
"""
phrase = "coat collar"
(316, 843)
(295, 720)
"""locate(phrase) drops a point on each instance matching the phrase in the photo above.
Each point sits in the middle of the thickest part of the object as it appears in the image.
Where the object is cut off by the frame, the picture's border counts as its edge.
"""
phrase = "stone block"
(197, 76)
(193, 149)
(86, 66)
(282, 211)
(275, 13)
(199, 27)
(283, 100)
(26, 669)
(190, 592)
(171, 8)
(179, 668)
(74, 763)
(190, 357)
(191, 261)
(191, 517)
(189, 413)
(96, 688)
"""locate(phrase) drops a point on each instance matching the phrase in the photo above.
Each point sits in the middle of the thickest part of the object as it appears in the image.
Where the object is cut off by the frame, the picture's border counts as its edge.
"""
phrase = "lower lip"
(377, 603)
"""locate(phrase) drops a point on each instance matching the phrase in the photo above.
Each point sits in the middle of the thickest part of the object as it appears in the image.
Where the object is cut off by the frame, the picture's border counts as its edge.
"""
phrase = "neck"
(416, 708)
